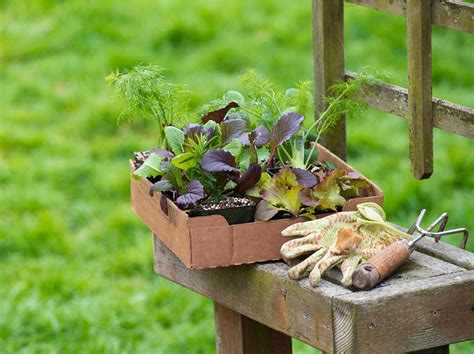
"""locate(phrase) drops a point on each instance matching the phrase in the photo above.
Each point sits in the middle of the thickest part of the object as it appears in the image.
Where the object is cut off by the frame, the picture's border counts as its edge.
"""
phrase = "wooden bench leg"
(237, 334)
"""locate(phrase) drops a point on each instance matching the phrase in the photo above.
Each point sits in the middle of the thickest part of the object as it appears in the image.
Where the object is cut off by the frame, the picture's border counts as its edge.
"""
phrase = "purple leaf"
(304, 178)
(248, 179)
(287, 126)
(219, 114)
(232, 129)
(262, 136)
(218, 161)
(305, 198)
(164, 153)
(161, 186)
(195, 192)
(353, 174)
(265, 211)
(191, 131)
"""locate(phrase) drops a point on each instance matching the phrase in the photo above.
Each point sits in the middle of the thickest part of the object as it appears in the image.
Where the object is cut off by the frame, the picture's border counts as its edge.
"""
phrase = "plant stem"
(321, 117)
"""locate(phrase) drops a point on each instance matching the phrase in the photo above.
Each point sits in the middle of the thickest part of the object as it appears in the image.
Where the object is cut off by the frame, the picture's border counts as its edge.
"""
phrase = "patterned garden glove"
(343, 239)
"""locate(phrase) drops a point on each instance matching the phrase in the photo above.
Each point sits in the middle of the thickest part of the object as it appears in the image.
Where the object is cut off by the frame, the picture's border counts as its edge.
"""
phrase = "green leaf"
(230, 185)
(263, 154)
(244, 159)
(281, 193)
(328, 192)
(185, 161)
(262, 184)
(150, 168)
(235, 96)
(234, 147)
(175, 139)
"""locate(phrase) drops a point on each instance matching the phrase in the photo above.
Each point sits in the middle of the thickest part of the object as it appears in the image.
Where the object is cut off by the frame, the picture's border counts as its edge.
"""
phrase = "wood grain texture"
(328, 60)
(442, 251)
(446, 252)
(263, 293)
(238, 334)
(412, 316)
(419, 87)
(394, 99)
(455, 15)
(332, 314)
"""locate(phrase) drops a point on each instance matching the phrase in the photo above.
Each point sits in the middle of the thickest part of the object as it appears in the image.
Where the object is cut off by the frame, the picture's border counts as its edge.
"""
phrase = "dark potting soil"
(230, 202)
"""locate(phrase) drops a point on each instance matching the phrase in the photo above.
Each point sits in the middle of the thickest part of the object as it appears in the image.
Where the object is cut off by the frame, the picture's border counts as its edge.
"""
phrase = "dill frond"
(147, 94)
(266, 98)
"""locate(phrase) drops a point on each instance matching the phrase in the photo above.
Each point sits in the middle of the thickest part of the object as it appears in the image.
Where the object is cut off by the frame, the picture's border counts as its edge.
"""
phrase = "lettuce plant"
(301, 193)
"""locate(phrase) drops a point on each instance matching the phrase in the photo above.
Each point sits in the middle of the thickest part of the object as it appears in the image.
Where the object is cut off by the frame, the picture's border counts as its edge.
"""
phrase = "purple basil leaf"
(165, 153)
(248, 179)
(305, 198)
(232, 129)
(265, 211)
(161, 186)
(287, 126)
(304, 178)
(262, 136)
(192, 130)
(219, 114)
(218, 161)
(195, 192)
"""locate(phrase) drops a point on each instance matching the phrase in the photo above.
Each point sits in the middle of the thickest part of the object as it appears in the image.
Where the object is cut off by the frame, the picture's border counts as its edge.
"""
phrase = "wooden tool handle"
(381, 265)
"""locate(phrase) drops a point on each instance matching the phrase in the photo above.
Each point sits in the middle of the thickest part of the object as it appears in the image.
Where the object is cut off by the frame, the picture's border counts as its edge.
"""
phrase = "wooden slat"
(419, 314)
(328, 58)
(238, 334)
(261, 292)
(419, 87)
(446, 252)
(394, 99)
(264, 293)
(443, 251)
(455, 15)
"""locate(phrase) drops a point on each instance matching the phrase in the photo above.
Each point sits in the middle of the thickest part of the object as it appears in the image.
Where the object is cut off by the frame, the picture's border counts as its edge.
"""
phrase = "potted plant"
(243, 157)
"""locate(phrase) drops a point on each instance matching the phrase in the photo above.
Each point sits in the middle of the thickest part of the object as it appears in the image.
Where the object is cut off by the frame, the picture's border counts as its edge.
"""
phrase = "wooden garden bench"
(429, 303)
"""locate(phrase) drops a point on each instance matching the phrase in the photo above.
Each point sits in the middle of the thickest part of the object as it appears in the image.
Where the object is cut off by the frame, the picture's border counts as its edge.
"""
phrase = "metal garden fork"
(442, 220)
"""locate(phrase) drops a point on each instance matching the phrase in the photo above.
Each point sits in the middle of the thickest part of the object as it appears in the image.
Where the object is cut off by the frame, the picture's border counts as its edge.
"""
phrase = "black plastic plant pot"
(236, 215)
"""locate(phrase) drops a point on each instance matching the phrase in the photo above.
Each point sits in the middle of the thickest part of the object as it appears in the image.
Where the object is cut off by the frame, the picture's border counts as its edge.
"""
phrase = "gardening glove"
(343, 239)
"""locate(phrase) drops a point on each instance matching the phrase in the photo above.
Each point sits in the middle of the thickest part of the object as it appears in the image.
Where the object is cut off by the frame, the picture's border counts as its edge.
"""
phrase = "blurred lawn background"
(75, 262)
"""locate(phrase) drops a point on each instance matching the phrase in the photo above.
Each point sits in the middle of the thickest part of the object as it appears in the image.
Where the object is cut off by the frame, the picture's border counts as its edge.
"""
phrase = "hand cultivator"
(389, 260)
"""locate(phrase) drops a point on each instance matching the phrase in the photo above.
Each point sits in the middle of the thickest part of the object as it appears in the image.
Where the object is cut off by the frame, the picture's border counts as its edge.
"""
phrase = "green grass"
(75, 262)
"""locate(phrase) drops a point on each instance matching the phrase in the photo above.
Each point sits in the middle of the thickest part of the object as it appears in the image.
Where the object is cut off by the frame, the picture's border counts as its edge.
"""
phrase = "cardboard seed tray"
(209, 241)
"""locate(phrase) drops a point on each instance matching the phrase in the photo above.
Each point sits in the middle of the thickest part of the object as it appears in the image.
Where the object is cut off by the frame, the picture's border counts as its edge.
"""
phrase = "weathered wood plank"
(455, 15)
(419, 87)
(394, 99)
(417, 315)
(444, 251)
(328, 59)
(418, 266)
(261, 292)
(238, 334)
